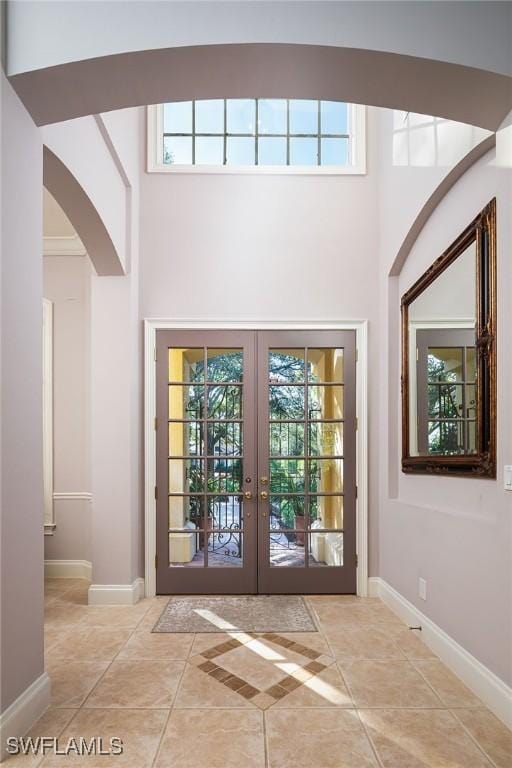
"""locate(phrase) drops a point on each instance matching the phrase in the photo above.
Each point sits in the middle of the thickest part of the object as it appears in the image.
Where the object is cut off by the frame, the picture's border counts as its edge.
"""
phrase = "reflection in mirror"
(442, 362)
(449, 358)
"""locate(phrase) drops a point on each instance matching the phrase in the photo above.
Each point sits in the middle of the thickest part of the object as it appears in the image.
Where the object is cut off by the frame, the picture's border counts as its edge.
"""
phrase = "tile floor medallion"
(360, 691)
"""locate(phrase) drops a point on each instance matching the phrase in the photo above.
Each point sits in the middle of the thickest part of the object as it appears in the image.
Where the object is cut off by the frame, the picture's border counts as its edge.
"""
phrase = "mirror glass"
(442, 362)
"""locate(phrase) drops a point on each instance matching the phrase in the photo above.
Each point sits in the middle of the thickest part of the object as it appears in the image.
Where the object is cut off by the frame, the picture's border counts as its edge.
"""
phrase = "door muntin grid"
(206, 457)
(306, 421)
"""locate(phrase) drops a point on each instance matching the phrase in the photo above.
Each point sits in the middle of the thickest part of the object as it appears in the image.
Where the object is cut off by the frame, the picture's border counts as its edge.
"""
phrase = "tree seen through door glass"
(287, 439)
(225, 364)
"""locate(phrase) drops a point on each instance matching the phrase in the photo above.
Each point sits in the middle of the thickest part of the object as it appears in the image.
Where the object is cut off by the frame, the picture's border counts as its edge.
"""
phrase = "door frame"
(152, 325)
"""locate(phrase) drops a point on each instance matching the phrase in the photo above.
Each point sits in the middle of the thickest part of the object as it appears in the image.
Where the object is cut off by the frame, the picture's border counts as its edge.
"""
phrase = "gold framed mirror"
(449, 358)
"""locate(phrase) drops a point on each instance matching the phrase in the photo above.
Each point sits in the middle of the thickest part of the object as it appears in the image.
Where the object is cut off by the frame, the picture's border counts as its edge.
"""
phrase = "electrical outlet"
(507, 477)
(422, 589)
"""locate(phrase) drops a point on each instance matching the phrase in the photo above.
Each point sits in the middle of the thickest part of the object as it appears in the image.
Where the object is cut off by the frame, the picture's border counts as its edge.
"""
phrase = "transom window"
(240, 134)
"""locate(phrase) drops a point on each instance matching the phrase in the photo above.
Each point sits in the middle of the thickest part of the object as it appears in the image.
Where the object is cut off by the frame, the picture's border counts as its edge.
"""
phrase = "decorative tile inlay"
(312, 664)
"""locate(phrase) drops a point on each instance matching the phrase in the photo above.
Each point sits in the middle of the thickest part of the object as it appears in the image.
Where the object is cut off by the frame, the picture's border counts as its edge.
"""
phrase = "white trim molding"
(68, 569)
(152, 325)
(49, 519)
(72, 496)
(496, 694)
(64, 245)
(356, 165)
(116, 594)
(21, 715)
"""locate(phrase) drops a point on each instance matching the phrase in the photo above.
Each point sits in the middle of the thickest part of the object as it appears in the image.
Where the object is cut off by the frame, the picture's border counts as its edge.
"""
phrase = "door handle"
(263, 495)
(248, 495)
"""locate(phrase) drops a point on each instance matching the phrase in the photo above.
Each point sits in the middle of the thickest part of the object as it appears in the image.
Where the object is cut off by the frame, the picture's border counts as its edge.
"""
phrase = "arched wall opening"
(468, 95)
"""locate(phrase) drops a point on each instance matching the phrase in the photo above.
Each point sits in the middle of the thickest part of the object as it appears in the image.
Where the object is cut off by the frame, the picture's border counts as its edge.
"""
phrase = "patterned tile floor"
(364, 691)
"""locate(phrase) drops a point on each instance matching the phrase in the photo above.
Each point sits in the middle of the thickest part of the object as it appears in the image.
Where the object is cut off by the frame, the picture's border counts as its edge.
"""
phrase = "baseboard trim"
(21, 715)
(116, 594)
(68, 569)
(496, 694)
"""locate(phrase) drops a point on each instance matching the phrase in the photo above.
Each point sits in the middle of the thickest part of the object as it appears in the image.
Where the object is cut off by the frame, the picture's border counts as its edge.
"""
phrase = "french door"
(256, 462)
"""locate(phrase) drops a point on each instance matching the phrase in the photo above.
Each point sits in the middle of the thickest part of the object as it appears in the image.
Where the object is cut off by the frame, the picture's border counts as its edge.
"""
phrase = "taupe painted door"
(256, 462)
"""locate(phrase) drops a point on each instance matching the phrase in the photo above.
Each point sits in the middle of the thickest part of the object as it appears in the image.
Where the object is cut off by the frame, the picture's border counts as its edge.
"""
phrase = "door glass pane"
(446, 437)
(286, 550)
(186, 365)
(186, 475)
(186, 402)
(470, 364)
(186, 512)
(471, 428)
(445, 400)
(325, 402)
(224, 475)
(326, 438)
(286, 402)
(287, 439)
(326, 475)
(225, 512)
(445, 364)
(325, 548)
(325, 365)
(286, 512)
(325, 512)
(224, 402)
(286, 365)
(185, 549)
(186, 438)
(225, 549)
(224, 438)
(225, 364)
(287, 476)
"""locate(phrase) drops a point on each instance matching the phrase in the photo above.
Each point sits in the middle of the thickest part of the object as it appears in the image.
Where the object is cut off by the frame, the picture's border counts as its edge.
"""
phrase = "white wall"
(67, 284)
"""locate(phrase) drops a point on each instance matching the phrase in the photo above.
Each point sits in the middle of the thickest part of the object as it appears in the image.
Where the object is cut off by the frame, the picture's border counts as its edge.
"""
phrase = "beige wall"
(21, 535)
(454, 532)
(67, 284)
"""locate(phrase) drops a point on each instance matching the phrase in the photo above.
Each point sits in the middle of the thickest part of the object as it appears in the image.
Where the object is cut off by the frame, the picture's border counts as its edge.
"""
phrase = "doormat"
(253, 613)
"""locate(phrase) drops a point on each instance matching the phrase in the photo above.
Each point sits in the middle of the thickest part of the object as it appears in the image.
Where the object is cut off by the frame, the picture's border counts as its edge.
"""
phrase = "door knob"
(248, 495)
(264, 480)
(263, 495)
